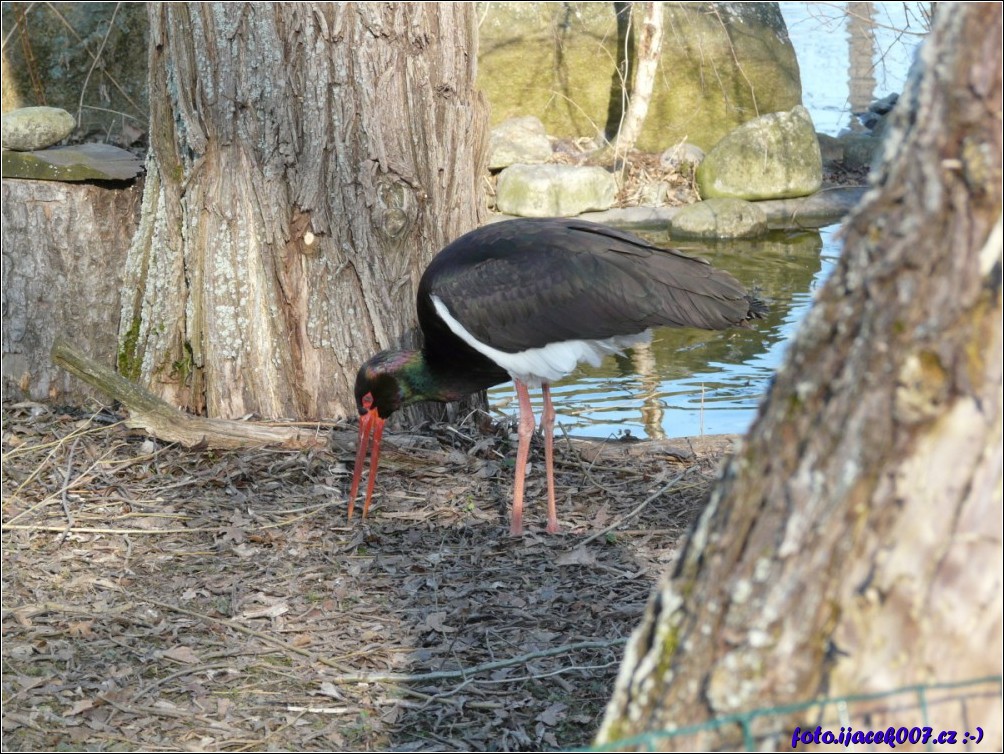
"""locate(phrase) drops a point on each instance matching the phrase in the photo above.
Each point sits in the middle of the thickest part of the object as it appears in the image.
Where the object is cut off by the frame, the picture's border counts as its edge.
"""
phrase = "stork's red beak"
(370, 422)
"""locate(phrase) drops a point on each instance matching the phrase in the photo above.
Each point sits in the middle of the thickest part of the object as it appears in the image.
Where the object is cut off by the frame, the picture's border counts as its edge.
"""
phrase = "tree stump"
(64, 249)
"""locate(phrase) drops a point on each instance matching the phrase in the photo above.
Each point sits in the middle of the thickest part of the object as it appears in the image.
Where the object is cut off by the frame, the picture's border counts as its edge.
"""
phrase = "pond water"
(689, 382)
(850, 54)
(693, 382)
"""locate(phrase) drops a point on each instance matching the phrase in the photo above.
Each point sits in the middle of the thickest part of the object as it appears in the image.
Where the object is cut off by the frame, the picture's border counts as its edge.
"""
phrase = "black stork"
(527, 300)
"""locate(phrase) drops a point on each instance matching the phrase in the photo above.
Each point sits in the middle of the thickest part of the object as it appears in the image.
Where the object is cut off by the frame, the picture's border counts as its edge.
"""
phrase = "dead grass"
(162, 599)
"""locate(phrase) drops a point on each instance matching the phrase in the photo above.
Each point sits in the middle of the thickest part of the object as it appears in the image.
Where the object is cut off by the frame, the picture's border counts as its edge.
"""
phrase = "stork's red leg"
(357, 473)
(526, 425)
(370, 423)
(374, 463)
(547, 427)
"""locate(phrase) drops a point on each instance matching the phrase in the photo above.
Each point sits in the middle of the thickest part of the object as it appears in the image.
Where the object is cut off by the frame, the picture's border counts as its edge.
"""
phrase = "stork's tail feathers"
(758, 306)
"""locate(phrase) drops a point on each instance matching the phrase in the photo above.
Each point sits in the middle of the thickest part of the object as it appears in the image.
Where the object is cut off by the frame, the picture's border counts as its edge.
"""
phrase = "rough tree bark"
(854, 544)
(306, 162)
(61, 242)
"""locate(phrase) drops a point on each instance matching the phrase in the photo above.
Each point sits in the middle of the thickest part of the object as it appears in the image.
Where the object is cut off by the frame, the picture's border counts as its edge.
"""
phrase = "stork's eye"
(367, 401)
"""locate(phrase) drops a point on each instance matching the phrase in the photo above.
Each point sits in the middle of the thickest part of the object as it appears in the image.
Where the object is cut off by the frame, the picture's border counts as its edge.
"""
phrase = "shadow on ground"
(162, 598)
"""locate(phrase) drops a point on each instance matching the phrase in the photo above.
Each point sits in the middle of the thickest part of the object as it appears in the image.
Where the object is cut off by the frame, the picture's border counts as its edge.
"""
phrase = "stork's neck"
(421, 380)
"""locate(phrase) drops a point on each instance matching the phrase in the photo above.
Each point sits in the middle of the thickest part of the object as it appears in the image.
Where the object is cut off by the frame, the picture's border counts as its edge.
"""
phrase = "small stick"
(639, 509)
(66, 491)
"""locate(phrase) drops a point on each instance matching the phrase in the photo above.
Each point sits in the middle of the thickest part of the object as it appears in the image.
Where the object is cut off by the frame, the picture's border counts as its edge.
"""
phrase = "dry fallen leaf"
(330, 689)
(302, 640)
(267, 611)
(553, 714)
(81, 705)
(437, 622)
(81, 628)
(579, 556)
(183, 654)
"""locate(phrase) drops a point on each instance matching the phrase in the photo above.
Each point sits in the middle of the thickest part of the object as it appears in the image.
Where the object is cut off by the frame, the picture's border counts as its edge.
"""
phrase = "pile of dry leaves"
(160, 598)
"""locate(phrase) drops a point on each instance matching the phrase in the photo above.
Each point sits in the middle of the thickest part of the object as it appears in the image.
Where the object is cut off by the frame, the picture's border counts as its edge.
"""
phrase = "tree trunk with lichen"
(853, 545)
(307, 160)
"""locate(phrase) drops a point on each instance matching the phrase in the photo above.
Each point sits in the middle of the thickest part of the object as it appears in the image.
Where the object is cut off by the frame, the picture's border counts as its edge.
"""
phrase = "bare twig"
(105, 529)
(552, 673)
(55, 444)
(187, 670)
(323, 710)
(244, 630)
(55, 11)
(95, 61)
(66, 491)
(19, 23)
(305, 513)
(641, 506)
(63, 490)
(29, 56)
(113, 112)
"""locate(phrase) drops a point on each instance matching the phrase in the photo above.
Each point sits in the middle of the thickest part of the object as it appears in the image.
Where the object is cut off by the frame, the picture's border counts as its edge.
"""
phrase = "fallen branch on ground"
(161, 420)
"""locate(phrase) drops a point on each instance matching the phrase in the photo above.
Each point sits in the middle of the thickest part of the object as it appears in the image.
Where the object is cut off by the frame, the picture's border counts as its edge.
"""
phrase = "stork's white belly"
(548, 363)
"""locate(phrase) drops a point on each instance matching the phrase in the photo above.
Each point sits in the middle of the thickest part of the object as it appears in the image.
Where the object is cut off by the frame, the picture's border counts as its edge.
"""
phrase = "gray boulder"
(774, 156)
(719, 218)
(884, 105)
(30, 128)
(554, 190)
(861, 151)
(518, 141)
(831, 149)
(682, 156)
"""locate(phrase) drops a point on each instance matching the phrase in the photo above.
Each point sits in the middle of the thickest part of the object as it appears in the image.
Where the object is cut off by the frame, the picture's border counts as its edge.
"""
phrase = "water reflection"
(850, 54)
(692, 382)
(861, 54)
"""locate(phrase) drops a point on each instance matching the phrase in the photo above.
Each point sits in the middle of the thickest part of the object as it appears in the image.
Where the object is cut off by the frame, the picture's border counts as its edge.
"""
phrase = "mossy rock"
(719, 218)
(554, 190)
(775, 156)
(83, 162)
(722, 64)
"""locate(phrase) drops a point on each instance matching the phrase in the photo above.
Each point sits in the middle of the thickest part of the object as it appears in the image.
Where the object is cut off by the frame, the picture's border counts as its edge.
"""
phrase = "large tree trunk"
(854, 544)
(306, 162)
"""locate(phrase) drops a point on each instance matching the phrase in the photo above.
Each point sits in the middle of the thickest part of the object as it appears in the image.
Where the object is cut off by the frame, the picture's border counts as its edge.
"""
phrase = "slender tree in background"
(642, 75)
(853, 545)
(306, 162)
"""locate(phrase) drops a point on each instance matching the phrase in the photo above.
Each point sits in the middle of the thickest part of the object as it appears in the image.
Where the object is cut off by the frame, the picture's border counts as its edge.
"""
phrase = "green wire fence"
(758, 730)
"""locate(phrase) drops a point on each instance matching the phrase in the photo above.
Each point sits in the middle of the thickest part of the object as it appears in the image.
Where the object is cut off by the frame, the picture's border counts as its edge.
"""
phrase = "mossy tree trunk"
(854, 544)
(307, 160)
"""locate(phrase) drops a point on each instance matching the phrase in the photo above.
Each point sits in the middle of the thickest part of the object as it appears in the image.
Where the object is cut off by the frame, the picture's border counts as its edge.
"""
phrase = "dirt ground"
(159, 598)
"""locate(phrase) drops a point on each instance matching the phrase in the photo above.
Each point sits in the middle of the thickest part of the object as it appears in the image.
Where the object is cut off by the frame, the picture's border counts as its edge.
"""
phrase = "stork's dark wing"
(525, 283)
